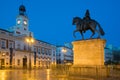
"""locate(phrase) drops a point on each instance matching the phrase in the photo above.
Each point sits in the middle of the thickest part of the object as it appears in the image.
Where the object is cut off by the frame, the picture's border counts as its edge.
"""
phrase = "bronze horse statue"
(82, 25)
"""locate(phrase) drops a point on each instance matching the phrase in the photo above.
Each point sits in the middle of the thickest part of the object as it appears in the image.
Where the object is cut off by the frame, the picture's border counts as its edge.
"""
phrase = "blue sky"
(51, 20)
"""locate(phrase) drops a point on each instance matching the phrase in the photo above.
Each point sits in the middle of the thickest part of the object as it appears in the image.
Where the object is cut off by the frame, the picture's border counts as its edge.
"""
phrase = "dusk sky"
(51, 20)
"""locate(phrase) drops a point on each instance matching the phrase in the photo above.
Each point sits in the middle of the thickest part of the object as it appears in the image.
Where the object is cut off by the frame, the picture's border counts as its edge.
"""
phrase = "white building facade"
(15, 52)
(64, 55)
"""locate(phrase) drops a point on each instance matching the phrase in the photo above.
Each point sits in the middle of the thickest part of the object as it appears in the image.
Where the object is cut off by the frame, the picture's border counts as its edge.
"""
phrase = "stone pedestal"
(89, 52)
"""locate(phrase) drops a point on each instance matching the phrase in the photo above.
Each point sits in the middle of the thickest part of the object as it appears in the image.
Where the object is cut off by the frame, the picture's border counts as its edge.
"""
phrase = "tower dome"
(22, 10)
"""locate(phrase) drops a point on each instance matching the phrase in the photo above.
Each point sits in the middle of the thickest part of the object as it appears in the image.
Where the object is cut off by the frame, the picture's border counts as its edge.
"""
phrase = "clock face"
(18, 22)
(25, 22)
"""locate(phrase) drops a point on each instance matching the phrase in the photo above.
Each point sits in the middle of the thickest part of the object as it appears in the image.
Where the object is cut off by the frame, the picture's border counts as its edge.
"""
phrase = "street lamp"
(29, 40)
(3, 54)
(64, 50)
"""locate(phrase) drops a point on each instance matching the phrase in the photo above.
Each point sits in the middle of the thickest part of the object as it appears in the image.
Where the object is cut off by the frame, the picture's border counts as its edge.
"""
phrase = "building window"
(46, 51)
(2, 32)
(59, 54)
(18, 28)
(18, 61)
(43, 51)
(18, 32)
(25, 48)
(53, 54)
(3, 44)
(38, 50)
(49, 52)
(18, 46)
(38, 62)
(11, 45)
(25, 29)
(10, 34)
(35, 50)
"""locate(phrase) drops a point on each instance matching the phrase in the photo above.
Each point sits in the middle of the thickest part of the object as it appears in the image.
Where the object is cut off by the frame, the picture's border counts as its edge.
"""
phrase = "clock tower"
(22, 23)
(22, 19)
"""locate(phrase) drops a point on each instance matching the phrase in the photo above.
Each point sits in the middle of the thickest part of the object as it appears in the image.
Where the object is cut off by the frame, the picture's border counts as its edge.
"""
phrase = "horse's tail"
(101, 30)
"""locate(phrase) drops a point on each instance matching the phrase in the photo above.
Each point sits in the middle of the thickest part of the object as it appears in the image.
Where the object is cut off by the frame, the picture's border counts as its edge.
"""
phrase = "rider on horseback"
(82, 25)
(86, 20)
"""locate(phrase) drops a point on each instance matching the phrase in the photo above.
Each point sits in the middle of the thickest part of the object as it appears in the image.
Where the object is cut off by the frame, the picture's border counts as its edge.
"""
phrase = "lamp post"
(64, 50)
(29, 40)
(11, 56)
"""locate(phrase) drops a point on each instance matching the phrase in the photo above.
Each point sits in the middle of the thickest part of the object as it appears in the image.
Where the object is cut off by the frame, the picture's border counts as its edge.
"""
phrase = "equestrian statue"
(82, 25)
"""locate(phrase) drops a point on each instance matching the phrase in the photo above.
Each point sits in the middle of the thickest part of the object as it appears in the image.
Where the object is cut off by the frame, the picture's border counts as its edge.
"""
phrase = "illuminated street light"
(64, 50)
(30, 41)
(3, 54)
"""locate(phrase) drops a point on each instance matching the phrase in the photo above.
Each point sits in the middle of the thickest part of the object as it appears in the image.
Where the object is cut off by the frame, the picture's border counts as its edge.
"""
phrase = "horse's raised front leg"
(74, 33)
(82, 35)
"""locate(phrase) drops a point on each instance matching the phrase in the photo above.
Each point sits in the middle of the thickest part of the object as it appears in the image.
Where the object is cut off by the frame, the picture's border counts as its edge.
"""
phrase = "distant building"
(116, 55)
(64, 55)
(69, 45)
(108, 55)
(17, 53)
(112, 55)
